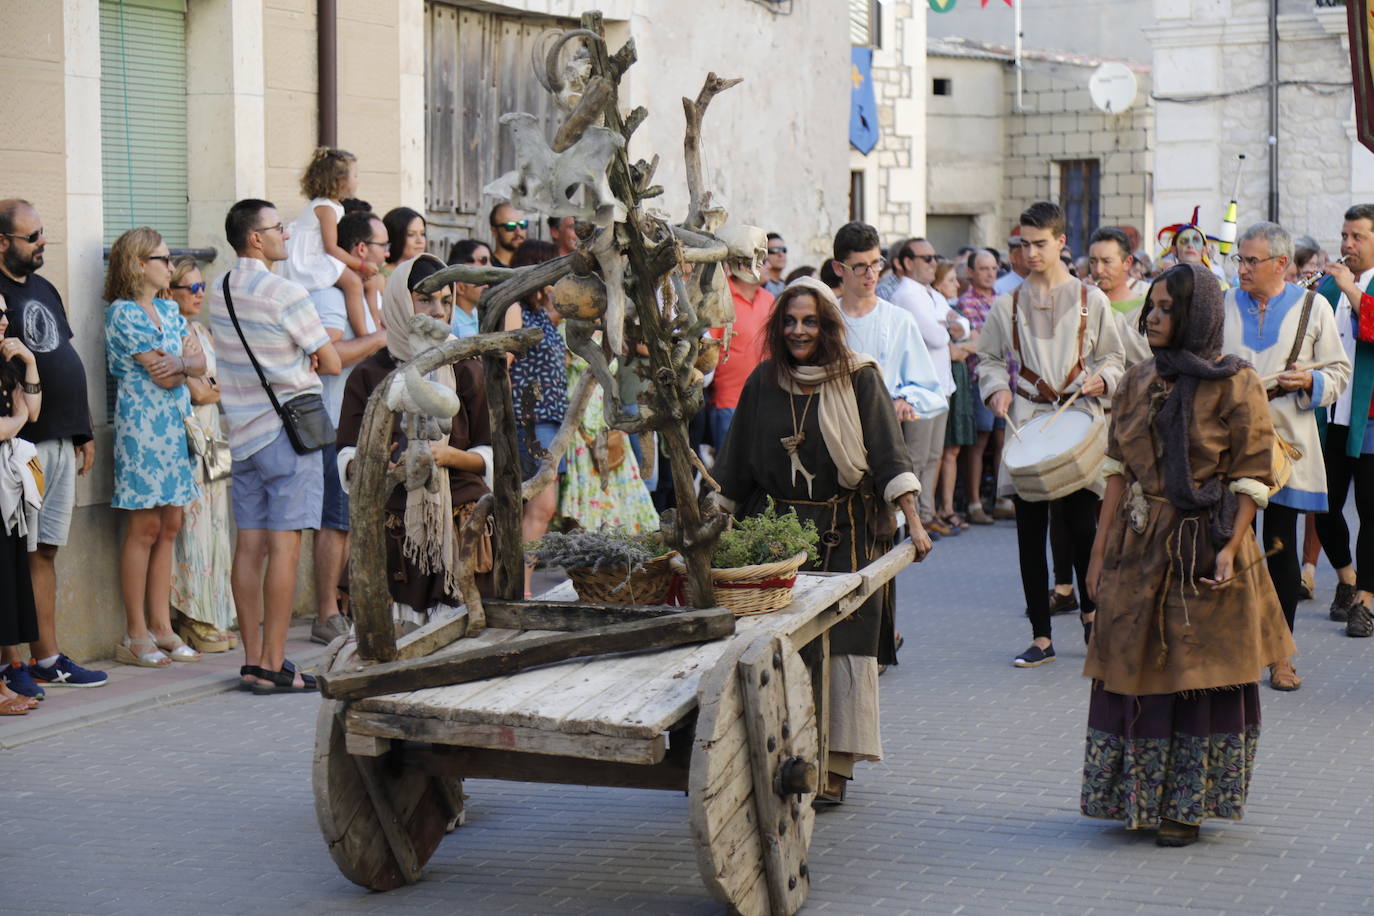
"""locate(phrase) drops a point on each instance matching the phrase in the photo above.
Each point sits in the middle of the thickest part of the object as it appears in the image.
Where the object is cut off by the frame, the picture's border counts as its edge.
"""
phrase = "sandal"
(1174, 833)
(283, 681)
(177, 649)
(141, 653)
(832, 793)
(954, 520)
(15, 707)
(249, 671)
(203, 636)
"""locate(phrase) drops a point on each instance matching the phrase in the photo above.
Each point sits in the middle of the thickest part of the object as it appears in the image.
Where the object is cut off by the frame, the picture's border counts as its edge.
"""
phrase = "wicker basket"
(648, 584)
(759, 589)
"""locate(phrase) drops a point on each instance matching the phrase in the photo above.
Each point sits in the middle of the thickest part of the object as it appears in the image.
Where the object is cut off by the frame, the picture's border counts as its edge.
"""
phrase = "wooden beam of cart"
(690, 626)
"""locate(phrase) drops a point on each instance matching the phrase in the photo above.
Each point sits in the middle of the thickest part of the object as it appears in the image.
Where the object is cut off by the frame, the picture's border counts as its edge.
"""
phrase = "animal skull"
(748, 247)
(548, 182)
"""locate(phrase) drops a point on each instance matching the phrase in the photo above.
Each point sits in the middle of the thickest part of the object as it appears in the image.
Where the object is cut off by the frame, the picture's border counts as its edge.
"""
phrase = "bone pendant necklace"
(790, 443)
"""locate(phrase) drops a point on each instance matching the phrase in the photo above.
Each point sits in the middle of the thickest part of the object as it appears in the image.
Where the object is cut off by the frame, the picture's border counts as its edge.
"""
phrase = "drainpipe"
(1273, 111)
(1016, 52)
(327, 52)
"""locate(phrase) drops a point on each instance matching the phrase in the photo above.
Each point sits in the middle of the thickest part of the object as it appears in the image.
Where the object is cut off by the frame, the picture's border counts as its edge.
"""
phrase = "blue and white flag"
(863, 106)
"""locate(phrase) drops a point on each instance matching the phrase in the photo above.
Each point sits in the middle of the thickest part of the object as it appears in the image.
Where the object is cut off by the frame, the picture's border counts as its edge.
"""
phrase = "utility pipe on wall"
(327, 54)
(1273, 111)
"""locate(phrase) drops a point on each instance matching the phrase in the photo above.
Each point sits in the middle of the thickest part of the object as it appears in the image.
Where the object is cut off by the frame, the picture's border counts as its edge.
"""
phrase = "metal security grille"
(143, 116)
(1079, 195)
(865, 23)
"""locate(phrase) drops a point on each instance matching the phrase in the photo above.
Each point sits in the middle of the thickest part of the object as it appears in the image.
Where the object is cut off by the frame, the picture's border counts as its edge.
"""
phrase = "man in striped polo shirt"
(276, 493)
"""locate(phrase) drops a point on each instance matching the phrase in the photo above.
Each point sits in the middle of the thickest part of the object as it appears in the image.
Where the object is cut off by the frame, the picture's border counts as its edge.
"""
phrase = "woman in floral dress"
(151, 353)
(602, 486)
(204, 551)
(1187, 616)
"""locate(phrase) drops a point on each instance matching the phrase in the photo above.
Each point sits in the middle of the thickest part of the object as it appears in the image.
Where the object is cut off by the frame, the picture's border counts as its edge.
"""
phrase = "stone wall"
(1059, 122)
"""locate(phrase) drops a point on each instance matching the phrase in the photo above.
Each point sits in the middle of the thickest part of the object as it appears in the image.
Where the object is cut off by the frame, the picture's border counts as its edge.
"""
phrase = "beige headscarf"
(431, 540)
(839, 408)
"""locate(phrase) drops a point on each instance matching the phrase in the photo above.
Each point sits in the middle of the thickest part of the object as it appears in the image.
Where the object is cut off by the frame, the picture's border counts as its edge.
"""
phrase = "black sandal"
(283, 681)
(1087, 625)
(248, 671)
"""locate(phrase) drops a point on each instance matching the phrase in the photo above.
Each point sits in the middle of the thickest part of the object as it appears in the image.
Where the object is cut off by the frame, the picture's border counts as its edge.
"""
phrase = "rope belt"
(832, 537)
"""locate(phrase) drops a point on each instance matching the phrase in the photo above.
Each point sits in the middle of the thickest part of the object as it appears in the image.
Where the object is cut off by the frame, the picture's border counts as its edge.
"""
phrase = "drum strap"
(1044, 392)
(1277, 392)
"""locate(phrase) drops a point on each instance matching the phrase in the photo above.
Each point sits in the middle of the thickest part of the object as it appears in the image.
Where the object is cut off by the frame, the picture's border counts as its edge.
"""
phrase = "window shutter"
(143, 117)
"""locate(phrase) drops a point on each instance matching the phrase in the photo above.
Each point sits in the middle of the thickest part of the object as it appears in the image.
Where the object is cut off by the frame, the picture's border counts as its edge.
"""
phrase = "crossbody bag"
(304, 418)
(1285, 453)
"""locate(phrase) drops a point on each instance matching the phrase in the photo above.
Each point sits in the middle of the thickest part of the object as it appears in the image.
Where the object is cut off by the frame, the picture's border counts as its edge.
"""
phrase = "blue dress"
(153, 464)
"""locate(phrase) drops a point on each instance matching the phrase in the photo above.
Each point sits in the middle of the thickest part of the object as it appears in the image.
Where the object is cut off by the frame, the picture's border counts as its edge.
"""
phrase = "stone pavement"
(206, 807)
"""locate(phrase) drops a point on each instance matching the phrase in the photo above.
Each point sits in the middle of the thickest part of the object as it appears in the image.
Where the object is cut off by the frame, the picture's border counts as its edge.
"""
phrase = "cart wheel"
(753, 775)
(382, 817)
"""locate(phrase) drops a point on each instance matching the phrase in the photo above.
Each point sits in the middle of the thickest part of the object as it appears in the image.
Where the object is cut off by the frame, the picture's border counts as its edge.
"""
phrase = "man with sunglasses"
(914, 264)
(508, 232)
(775, 267)
(466, 321)
(62, 435)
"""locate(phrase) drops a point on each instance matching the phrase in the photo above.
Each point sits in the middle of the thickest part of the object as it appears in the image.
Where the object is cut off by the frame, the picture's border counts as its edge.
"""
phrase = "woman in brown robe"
(418, 593)
(1187, 616)
(815, 430)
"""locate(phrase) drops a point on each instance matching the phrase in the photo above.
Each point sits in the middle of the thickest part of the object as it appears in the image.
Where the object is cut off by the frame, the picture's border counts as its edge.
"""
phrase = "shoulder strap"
(1302, 329)
(262, 377)
(1078, 366)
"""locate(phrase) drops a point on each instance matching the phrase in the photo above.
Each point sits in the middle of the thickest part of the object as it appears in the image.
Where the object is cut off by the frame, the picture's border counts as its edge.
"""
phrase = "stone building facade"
(892, 176)
(1211, 68)
(991, 154)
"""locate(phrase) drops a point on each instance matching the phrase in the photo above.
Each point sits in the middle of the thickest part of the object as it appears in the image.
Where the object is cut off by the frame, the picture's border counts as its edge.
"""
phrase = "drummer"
(1064, 336)
(1295, 346)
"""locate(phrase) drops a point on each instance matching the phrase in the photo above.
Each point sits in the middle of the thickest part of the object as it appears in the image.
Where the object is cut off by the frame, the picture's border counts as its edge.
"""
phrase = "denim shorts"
(58, 458)
(335, 513)
(275, 489)
(545, 433)
(983, 417)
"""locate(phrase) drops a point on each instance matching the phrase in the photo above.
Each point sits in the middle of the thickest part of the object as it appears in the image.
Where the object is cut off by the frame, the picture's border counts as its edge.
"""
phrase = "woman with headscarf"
(815, 431)
(421, 556)
(1187, 615)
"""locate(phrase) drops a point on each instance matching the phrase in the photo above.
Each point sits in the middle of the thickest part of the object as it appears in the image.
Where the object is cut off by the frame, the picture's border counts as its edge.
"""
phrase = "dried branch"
(695, 112)
(588, 112)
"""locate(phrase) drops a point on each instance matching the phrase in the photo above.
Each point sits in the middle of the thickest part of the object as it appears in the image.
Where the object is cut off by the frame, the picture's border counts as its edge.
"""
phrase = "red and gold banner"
(1360, 15)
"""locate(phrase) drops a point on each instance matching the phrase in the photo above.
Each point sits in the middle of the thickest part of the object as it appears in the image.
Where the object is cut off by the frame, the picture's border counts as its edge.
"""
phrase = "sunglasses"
(780, 249)
(194, 288)
(928, 258)
(31, 238)
(512, 225)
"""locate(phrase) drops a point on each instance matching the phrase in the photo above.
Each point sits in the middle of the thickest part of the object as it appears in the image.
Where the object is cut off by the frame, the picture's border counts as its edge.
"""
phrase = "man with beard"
(62, 435)
(509, 228)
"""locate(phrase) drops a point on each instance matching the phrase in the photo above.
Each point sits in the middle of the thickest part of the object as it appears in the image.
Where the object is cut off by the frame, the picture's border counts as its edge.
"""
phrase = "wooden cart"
(739, 723)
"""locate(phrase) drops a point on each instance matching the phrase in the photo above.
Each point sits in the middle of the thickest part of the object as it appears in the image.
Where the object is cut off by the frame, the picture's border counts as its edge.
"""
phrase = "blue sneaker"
(67, 673)
(18, 679)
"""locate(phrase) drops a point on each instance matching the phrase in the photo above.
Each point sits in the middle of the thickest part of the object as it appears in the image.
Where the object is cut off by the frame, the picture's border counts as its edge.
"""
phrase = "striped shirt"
(283, 329)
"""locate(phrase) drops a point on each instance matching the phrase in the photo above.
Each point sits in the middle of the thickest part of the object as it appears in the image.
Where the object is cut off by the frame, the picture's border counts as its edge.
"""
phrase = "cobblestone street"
(206, 806)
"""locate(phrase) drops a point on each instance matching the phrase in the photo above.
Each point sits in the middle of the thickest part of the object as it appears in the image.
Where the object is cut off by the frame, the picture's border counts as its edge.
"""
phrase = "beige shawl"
(431, 540)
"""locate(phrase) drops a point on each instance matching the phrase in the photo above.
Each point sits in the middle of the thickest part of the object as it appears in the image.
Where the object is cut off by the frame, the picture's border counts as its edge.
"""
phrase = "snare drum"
(1049, 463)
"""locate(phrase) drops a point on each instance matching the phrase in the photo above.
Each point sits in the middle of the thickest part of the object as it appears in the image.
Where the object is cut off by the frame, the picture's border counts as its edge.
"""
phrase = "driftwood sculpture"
(628, 280)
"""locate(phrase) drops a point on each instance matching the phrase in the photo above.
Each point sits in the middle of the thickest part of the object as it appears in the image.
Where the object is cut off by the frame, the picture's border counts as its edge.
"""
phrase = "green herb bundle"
(599, 549)
(766, 538)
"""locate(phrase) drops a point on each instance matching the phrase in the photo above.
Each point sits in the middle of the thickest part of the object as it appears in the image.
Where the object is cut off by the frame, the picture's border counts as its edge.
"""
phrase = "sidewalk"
(132, 689)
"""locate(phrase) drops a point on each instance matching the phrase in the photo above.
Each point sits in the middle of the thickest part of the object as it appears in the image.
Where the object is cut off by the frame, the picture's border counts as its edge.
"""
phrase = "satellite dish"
(1112, 87)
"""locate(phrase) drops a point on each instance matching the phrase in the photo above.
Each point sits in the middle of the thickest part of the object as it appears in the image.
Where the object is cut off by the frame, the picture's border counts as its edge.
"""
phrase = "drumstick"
(1312, 368)
(1015, 430)
(1067, 404)
(1275, 547)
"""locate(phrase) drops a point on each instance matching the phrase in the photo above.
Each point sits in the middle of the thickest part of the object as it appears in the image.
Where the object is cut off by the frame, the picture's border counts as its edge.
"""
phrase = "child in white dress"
(314, 258)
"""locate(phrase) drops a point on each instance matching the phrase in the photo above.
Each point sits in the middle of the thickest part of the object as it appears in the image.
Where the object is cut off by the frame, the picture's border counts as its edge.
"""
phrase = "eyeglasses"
(1251, 263)
(780, 249)
(31, 238)
(164, 258)
(378, 244)
(195, 289)
(512, 225)
(875, 268)
(279, 227)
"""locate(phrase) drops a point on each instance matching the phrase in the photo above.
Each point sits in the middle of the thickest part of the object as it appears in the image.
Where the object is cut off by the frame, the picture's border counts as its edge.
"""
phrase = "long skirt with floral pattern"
(1185, 757)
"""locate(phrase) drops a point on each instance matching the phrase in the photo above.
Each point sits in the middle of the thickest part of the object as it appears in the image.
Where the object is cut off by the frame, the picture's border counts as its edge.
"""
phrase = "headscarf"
(430, 537)
(838, 411)
(1196, 359)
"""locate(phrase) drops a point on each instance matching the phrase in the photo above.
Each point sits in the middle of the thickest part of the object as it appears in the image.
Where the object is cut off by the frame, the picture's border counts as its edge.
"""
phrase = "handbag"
(304, 418)
(1285, 453)
(210, 450)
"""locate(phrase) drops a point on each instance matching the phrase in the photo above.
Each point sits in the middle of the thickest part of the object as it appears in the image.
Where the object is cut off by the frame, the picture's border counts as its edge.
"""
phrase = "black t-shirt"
(38, 318)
